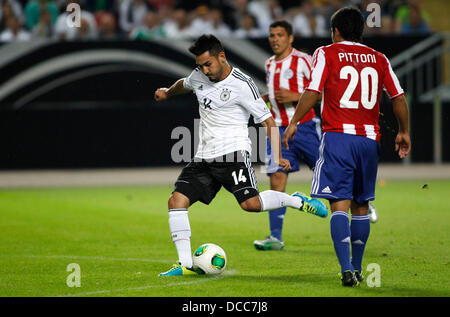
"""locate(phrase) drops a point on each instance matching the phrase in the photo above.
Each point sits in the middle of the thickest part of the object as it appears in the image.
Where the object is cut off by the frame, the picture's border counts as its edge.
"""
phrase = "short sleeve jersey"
(225, 108)
(351, 78)
(293, 73)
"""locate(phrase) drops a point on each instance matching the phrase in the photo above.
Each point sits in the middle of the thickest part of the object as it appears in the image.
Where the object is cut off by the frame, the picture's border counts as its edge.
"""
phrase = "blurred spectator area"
(22, 20)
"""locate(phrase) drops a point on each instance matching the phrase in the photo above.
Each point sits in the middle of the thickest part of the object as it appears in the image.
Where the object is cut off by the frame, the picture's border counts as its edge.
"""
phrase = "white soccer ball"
(209, 258)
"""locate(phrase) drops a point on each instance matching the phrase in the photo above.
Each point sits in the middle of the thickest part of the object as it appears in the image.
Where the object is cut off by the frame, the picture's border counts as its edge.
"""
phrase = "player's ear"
(334, 34)
(291, 38)
(221, 57)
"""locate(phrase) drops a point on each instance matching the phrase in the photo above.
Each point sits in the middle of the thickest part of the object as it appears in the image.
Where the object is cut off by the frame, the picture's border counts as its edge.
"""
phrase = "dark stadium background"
(111, 120)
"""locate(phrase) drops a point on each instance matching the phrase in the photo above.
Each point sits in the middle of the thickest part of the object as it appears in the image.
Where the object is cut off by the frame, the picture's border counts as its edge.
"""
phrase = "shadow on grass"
(285, 279)
(331, 283)
(401, 291)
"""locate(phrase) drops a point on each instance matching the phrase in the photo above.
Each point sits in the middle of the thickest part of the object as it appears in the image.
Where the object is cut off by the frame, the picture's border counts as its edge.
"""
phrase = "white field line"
(197, 281)
(100, 258)
(81, 257)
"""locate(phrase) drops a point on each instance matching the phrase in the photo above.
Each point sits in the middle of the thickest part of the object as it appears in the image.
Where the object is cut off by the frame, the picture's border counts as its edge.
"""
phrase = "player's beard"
(216, 77)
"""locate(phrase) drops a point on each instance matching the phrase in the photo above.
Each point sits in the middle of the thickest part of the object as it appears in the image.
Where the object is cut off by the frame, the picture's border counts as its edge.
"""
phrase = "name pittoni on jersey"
(351, 77)
(225, 108)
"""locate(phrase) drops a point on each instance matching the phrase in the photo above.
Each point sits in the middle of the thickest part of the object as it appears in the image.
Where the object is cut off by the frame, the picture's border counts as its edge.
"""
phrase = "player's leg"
(271, 199)
(340, 235)
(192, 185)
(333, 180)
(364, 191)
(278, 180)
(359, 230)
(274, 241)
(239, 179)
(276, 217)
(180, 228)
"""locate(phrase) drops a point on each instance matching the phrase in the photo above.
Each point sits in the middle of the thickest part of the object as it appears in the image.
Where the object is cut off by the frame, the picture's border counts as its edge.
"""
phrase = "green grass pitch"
(119, 237)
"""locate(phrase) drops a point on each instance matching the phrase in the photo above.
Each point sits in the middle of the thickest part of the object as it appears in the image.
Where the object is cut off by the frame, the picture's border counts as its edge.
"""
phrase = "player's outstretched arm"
(307, 100)
(402, 141)
(275, 142)
(176, 89)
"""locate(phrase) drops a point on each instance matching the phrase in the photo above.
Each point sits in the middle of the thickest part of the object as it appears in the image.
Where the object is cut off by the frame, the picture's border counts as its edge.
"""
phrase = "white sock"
(272, 199)
(181, 235)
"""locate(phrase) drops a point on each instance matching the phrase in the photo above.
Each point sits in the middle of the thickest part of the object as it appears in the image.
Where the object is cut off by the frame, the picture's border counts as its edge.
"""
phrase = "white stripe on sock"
(339, 213)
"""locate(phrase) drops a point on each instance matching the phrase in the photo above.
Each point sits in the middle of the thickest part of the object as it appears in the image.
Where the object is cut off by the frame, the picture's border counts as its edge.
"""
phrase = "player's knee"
(177, 200)
(252, 204)
(172, 202)
(359, 209)
(278, 181)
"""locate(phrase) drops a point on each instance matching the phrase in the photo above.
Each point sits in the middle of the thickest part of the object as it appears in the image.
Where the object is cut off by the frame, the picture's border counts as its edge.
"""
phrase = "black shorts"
(201, 179)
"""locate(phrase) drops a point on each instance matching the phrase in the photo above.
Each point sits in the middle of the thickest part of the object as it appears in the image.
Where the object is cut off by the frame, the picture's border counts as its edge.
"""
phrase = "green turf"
(120, 239)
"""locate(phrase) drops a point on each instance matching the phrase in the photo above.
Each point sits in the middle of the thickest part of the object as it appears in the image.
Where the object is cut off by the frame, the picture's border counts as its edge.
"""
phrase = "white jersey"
(293, 73)
(225, 108)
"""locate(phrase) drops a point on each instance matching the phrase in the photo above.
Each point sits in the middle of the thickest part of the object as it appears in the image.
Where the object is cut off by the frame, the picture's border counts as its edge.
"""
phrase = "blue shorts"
(346, 168)
(305, 147)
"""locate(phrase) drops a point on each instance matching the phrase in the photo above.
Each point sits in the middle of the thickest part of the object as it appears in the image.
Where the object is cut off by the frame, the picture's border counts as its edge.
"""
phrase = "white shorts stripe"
(250, 170)
(318, 127)
(318, 167)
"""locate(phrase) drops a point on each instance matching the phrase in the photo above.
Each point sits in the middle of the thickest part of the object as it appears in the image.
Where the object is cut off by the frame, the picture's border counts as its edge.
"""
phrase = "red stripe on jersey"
(311, 113)
(273, 113)
(307, 64)
(293, 83)
(276, 87)
(306, 80)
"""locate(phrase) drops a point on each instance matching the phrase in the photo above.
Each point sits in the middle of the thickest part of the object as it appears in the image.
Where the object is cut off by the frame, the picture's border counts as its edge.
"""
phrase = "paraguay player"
(350, 76)
(288, 72)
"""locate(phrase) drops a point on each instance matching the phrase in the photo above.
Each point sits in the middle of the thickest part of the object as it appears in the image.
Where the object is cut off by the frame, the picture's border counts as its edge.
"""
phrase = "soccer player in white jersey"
(226, 98)
(288, 73)
(350, 77)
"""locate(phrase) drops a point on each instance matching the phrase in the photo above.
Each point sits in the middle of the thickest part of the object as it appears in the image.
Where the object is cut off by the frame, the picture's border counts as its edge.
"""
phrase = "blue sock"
(276, 218)
(340, 233)
(360, 229)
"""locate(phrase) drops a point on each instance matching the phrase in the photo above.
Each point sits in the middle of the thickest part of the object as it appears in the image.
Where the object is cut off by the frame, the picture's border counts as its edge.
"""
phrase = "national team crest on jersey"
(225, 95)
(288, 73)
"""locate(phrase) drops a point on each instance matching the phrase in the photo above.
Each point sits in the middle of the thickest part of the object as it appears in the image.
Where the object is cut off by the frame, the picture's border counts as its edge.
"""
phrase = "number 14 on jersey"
(239, 178)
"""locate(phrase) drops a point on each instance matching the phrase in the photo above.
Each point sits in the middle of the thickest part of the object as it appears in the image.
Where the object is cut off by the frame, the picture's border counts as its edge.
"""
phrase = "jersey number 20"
(368, 100)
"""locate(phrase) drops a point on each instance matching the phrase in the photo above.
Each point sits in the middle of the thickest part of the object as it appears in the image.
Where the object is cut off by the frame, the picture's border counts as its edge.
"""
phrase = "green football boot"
(359, 276)
(373, 215)
(179, 270)
(270, 243)
(349, 279)
(312, 205)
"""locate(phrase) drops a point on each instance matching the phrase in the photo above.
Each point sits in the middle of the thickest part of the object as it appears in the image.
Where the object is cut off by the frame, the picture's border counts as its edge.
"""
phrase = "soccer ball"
(209, 258)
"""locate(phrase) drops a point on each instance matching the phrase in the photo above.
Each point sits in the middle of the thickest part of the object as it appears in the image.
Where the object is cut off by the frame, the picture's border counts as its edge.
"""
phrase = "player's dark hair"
(284, 24)
(206, 42)
(350, 23)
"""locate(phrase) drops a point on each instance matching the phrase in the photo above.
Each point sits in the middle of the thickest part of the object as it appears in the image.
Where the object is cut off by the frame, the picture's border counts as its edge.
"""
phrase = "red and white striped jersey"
(351, 77)
(292, 73)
